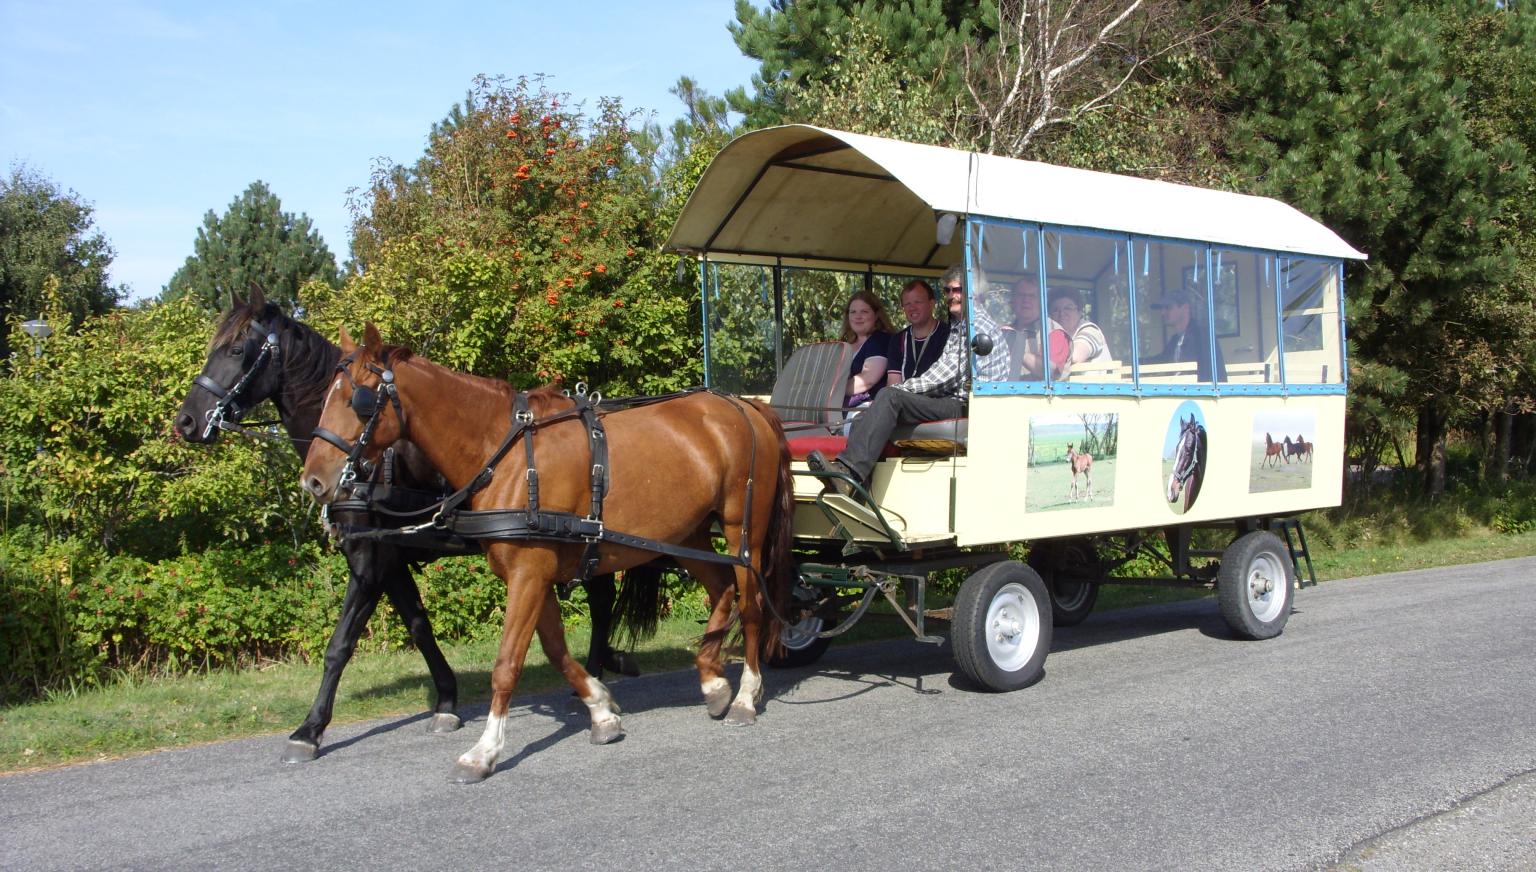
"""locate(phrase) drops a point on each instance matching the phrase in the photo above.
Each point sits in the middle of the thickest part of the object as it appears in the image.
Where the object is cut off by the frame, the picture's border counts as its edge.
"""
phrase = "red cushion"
(831, 446)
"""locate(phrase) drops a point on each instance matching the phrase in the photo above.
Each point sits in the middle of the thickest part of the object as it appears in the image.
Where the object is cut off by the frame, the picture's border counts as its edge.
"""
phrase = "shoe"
(828, 470)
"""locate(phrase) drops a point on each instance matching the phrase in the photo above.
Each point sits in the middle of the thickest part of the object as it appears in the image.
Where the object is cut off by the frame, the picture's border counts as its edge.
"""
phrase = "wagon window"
(1087, 284)
(814, 300)
(740, 314)
(1008, 288)
(1309, 299)
(1172, 311)
(1243, 308)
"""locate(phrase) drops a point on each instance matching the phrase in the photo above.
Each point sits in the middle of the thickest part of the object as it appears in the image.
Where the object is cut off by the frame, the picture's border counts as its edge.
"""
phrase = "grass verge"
(133, 715)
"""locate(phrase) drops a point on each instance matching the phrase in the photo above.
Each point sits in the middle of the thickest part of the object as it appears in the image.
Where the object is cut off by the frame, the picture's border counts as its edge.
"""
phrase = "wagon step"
(1298, 548)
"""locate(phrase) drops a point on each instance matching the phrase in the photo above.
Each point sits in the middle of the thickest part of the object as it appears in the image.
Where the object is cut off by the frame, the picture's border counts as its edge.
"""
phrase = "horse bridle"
(1192, 459)
(227, 411)
(367, 403)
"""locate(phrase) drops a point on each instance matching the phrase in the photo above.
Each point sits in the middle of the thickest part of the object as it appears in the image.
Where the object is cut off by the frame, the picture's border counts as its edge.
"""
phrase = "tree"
(1349, 113)
(255, 243)
(522, 246)
(47, 242)
(1053, 66)
(796, 40)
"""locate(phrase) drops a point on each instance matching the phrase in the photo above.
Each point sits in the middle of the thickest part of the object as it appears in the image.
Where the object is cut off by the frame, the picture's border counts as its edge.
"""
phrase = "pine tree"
(254, 243)
(1352, 117)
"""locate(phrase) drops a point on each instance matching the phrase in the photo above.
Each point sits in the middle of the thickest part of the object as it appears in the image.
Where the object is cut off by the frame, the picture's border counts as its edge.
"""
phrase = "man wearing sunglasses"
(937, 394)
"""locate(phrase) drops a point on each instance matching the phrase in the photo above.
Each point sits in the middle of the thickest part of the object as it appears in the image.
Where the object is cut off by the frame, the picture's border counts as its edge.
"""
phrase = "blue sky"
(156, 112)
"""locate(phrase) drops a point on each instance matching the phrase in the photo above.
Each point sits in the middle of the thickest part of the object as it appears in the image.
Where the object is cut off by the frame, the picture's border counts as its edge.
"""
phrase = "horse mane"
(548, 398)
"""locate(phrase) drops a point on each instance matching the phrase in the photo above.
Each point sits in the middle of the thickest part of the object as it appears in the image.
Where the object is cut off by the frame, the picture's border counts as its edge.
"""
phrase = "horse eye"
(237, 351)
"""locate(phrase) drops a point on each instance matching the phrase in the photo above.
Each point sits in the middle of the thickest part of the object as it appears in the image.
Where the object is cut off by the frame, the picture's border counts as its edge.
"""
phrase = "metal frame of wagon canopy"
(801, 197)
(1213, 394)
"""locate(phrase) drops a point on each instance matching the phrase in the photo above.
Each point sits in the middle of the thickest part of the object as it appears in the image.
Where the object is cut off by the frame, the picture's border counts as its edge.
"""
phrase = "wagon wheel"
(1001, 630)
(1254, 585)
(1070, 570)
(802, 644)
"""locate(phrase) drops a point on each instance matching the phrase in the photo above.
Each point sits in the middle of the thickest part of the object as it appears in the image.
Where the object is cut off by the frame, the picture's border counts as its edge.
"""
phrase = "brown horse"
(1273, 451)
(676, 468)
(1080, 462)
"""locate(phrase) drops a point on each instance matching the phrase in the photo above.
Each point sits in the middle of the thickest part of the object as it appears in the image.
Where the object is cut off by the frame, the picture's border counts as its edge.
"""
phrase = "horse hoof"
(717, 708)
(464, 773)
(622, 662)
(444, 722)
(607, 734)
(741, 716)
(300, 752)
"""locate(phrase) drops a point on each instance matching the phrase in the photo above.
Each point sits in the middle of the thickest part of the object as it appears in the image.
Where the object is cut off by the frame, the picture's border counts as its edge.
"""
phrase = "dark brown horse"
(676, 470)
(259, 354)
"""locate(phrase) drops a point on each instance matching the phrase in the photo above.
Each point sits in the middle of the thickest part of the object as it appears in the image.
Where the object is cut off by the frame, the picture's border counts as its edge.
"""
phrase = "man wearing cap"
(1188, 339)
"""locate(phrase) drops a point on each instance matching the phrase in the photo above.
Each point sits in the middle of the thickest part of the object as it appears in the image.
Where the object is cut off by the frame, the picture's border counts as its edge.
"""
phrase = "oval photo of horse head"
(1184, 457)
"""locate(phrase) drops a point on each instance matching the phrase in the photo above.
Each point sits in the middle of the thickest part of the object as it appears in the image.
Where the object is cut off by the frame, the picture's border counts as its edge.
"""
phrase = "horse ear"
(347, 345)
(258, 299)
(236, 301)
(371, 339)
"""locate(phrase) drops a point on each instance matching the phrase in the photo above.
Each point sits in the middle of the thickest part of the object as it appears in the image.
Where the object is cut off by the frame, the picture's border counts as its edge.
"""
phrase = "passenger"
(936, 395)
(1088, 343)
(1024, 335)
(1189, 341)
(915, 348)
(868, 330)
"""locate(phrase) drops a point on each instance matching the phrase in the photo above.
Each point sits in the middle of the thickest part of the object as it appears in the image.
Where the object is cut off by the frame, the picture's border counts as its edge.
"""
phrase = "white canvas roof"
(827, 196)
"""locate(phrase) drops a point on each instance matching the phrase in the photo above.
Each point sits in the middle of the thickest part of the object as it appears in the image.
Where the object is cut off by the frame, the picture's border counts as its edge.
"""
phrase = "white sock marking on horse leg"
(485, 752)
(600, 703)
(751, 688)
(717, 694)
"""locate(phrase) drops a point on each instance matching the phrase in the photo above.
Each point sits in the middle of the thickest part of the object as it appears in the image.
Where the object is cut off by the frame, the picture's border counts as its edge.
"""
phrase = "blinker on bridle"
(367, 402)
(227, 410)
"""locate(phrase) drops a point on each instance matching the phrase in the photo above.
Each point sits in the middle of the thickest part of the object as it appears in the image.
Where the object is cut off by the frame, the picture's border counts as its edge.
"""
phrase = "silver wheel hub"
(1266, 580)
(1012, 627)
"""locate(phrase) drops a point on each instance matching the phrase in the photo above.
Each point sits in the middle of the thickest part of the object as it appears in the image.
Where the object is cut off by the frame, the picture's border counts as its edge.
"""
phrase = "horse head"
(362, 416)
(241, 370)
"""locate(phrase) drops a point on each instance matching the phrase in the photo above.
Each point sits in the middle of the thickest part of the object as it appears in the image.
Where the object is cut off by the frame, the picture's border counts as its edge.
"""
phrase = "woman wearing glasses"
(1088, 343)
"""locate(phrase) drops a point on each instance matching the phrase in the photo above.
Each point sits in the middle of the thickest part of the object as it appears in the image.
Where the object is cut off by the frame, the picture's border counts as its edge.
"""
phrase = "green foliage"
(253, 244)
(87, 449)
(520, 246)
(51, 258)
(1351, 115)
(798, 41)
(863, 89)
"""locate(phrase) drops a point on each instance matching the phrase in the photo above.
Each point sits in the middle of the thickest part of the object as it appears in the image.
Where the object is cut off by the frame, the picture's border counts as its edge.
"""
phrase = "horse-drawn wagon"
(1216, 399)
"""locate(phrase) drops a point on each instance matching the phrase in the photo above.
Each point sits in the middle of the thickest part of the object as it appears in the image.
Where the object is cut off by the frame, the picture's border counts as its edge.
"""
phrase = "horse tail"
(637, 611)
(778, 560)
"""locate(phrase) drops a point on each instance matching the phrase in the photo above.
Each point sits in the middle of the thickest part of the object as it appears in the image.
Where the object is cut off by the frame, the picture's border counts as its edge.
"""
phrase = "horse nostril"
(314, 486)
(184, 424)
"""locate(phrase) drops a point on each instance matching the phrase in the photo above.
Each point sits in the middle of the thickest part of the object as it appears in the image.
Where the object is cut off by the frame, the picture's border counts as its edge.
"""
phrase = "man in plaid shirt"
(937, 394)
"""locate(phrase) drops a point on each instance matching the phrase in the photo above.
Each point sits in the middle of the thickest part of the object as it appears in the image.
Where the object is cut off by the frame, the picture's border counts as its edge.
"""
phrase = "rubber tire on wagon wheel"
(1061, 566)
(1001, 631)
(801, 644)
(1255, 585)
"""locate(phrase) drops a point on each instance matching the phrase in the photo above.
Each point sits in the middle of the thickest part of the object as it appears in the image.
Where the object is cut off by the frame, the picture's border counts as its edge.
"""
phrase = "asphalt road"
(1392, 726)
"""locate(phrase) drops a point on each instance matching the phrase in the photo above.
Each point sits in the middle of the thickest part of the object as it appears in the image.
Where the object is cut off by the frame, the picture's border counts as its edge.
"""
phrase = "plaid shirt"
(943, 379)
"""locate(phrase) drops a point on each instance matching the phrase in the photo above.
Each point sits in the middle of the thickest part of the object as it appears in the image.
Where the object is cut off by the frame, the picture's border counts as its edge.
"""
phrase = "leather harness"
(533, 522)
